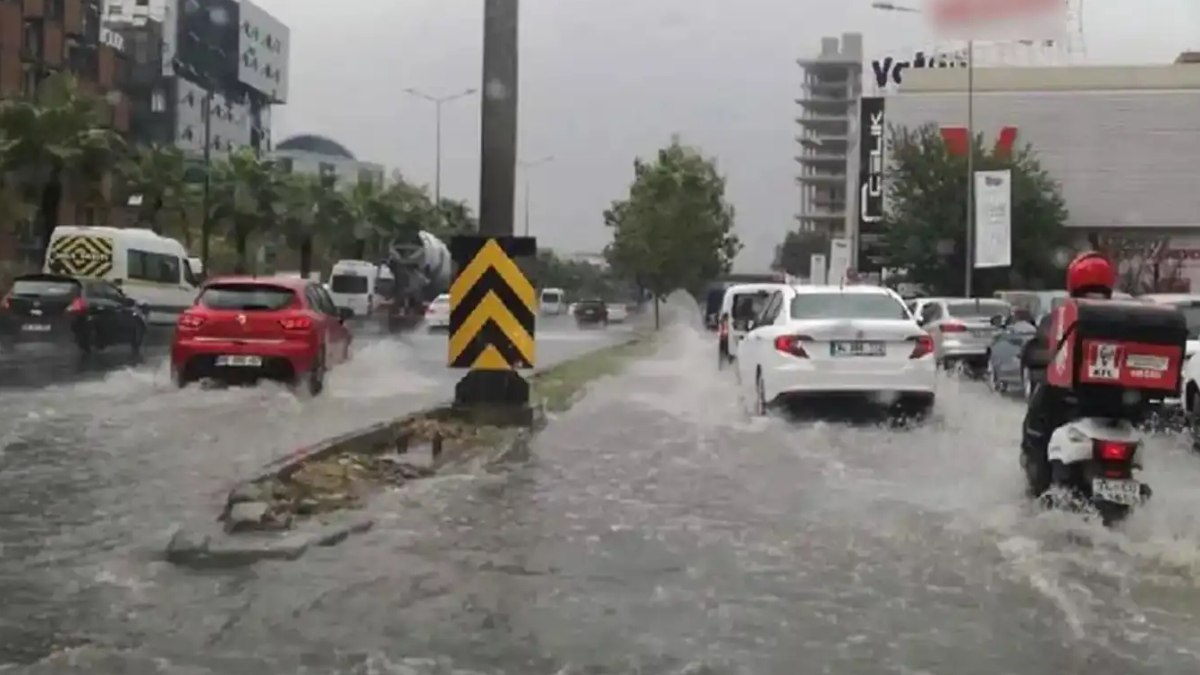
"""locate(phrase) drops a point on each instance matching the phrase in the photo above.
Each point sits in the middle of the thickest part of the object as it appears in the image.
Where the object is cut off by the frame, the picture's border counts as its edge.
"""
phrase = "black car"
(90, 313)
(591, 312)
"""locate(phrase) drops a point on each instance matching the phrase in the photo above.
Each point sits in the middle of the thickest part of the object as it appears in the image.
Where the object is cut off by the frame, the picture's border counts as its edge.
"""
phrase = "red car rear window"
(247, 297)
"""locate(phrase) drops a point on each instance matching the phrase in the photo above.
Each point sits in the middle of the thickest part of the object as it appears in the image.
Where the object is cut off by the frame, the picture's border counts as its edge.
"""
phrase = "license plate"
(981, 332)
(856, 348)
(36, 328)
(1127, 492)
(240, 361)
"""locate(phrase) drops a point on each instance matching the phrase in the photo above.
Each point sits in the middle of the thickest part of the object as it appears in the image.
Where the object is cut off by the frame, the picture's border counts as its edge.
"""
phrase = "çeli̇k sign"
(870, 180)
(993, 218)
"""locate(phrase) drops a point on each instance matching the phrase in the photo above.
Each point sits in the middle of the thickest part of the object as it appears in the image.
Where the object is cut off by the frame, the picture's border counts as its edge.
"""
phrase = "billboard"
(999, 19)
(870, 181)
(263, 45)
(993, 218)
(889, 71)
(205, 46)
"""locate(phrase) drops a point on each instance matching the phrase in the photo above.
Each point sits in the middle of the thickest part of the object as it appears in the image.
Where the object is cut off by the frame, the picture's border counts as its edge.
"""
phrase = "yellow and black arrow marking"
(492, 305)
(81, 256)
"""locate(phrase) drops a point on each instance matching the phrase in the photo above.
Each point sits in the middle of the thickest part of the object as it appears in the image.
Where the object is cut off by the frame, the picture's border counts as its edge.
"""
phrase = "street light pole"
(438, 101)
(525, 167)
(969, 254)
(204, 222)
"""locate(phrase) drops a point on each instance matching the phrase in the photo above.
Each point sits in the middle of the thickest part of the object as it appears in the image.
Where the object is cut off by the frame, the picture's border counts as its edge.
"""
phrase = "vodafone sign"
(999, 19)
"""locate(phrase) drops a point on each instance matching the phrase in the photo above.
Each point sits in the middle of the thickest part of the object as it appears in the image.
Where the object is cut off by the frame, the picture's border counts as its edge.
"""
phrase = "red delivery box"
(1098, 346)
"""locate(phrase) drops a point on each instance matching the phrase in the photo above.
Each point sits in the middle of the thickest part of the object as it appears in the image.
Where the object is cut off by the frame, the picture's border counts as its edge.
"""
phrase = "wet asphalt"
(656, 528)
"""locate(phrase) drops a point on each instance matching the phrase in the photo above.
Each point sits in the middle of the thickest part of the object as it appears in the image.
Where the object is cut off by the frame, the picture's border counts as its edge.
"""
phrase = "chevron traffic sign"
(492, 304)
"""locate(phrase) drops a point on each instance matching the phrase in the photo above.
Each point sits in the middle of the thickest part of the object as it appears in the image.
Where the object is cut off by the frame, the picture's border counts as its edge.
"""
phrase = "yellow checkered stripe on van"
(81, 256)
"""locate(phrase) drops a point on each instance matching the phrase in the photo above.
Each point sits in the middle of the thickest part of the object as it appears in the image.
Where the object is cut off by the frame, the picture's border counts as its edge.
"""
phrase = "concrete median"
(315, 495)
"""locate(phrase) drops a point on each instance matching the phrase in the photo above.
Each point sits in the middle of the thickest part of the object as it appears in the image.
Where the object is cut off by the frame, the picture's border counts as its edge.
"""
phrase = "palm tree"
(158, 176)
(247, 197)
(313, 208)
(56, 143)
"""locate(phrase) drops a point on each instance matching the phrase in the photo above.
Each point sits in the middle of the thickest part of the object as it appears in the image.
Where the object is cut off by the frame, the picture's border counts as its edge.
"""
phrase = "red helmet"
(1090, 272)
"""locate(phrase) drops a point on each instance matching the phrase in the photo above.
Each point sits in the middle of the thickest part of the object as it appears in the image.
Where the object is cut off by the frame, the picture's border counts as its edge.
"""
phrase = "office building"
(832, 85)
(1121, 141)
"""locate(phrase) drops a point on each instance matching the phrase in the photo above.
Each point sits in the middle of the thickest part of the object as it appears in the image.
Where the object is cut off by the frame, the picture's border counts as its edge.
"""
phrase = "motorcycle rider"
(1090, 275)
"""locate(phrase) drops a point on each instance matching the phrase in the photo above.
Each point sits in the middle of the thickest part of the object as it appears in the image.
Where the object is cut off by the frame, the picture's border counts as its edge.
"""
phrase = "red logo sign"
(956, 142)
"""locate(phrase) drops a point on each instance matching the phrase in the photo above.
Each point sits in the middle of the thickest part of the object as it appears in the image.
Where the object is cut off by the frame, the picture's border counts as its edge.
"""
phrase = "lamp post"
(526, 165)
(438, 101)
(969, 254)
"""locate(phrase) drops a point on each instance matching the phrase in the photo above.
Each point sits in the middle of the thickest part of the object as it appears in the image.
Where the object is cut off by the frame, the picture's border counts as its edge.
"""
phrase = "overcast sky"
(605, 80)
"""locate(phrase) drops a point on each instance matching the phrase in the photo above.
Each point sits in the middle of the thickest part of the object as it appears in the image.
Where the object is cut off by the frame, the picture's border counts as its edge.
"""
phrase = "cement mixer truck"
(422, 268)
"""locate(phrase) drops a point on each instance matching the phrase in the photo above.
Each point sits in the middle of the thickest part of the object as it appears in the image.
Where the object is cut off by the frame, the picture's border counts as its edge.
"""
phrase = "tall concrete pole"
(498, 157)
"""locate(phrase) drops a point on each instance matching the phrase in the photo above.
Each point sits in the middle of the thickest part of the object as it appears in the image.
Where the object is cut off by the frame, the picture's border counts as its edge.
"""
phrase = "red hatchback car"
(246, 328)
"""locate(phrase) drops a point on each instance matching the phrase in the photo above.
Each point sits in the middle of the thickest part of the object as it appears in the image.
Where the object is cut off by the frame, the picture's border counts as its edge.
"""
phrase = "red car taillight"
(190, 321)
(792, 344)
(950, 327)
(924, 346)
(6, 303)
(723, 327)
(296, 323)
(78, 306)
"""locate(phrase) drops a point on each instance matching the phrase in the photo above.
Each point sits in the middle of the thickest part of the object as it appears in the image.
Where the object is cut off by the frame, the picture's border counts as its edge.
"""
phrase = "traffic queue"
(1091, 362)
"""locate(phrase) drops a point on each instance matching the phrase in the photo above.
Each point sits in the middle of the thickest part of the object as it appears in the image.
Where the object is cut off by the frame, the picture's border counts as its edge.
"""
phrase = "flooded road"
(657, 530)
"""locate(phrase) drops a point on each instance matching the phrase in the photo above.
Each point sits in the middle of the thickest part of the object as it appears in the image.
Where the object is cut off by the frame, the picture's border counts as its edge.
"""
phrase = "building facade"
(317, 155)
(1121, 141)
(42, 37)
(207, 73)
(830, 90)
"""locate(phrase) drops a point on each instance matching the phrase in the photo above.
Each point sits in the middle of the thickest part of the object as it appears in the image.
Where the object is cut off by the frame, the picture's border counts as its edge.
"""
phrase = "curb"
(215, 549)
(222, 548)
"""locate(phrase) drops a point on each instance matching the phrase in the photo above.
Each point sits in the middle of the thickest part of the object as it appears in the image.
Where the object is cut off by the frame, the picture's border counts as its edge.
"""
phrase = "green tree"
(926, 223)
(247, 197)
(794, 255)
(55, 143)
(675, 229)
(157, 176)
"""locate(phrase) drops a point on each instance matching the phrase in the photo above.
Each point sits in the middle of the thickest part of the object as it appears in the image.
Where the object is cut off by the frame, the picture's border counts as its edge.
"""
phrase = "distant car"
(92, 314)
(590, 312)
(437, 314)
(252, 328)
(617, 313)
(817, 341)
(739, 306)
(962, 329)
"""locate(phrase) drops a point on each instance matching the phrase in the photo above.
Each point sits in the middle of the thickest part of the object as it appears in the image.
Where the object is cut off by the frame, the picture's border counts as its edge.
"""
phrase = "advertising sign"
(889, 71)
(998, 19)
(817, 272)
(839, 260)
(870, 179)
(993, 218)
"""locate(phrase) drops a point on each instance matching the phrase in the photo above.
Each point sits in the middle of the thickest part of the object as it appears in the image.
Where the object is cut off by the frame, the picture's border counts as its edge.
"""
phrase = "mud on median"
(312, 496)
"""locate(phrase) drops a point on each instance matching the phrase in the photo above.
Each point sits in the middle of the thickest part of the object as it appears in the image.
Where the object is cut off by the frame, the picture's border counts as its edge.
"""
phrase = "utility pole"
(525, 167)
(498, 156)
(970, 254)
(205, 234)
(438, 102)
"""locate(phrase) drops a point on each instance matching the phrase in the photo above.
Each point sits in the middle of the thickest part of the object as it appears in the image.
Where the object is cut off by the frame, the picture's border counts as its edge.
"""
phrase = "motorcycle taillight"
(1115, 459)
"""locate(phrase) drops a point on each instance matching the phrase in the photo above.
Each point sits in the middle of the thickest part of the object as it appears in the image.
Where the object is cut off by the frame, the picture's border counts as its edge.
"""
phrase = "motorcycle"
(1095, 460)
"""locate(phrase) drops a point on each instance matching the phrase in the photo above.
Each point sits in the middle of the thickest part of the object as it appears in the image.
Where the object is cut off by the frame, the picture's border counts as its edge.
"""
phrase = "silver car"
(962, 329)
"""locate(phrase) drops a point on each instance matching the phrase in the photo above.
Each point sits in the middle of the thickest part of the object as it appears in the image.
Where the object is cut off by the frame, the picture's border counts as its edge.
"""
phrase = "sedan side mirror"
(345, 313)
(751, 324)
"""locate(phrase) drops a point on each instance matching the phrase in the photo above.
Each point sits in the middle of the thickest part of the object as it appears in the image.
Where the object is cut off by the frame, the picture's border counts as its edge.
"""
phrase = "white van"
(553, 301)
(152, 269)
(360, 285)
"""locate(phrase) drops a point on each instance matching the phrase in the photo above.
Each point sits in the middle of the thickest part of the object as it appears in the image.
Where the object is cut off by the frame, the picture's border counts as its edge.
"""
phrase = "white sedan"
(437, 315)
(828, 340)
